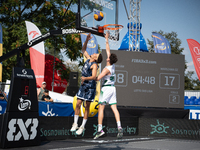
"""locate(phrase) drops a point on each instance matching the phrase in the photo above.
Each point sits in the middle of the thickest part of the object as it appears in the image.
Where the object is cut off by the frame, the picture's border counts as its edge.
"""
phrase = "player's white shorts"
(108, 95)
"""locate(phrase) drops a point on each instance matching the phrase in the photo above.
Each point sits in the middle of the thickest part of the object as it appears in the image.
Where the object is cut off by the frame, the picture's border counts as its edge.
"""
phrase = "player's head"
(113, 58)
(97, 57)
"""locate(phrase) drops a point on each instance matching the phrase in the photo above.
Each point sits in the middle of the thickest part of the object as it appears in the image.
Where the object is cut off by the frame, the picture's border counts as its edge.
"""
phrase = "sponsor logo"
(24, 104)
(70, 31)
(18, 129)
(127, 129)
(159, 128)
(103, 3)
(196, 50)
(24, 74)
(34, 34)
(91, 44)
(194, 114)
(37, 39)
(49, 112)
(161, 46)
(58, 132)
(142, 61)
(24, 71)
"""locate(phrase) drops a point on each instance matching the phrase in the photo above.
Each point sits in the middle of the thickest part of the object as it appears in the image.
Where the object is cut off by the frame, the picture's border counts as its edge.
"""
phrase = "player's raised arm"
(85, 53)
(107, 45)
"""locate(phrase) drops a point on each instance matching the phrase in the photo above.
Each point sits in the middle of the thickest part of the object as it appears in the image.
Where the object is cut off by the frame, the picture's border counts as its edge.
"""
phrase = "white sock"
(84, 122)
(76, 119)
(99, 127)
(119, 124)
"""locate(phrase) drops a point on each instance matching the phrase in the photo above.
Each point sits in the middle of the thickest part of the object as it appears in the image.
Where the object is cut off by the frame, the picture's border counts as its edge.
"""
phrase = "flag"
(195, 52)
(37, 53)
(92, 46)
(161, 44)
(1, 50)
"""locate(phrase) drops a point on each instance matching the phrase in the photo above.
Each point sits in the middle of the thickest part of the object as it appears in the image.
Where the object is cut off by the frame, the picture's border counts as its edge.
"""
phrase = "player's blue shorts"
(86, 93)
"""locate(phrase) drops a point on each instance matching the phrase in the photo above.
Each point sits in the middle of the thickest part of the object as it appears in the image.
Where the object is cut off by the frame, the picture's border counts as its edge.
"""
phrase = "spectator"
(2, 96)
(46, 96)
(40, 91)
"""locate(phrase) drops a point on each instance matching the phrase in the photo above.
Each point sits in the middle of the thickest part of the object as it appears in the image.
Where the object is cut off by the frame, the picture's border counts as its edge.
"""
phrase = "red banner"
(195, 52)
(37, 53)
(59, 84)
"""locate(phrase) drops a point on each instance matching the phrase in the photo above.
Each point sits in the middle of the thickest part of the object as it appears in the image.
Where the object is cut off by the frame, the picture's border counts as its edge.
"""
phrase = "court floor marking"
(72, 147)
(118, 140)
(100, 142)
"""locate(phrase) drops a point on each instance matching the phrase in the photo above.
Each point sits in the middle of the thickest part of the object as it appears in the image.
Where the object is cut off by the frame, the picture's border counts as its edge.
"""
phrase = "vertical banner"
(195, 52)
(37, 53)
(161, 44)
(1, 50)
(92, 46)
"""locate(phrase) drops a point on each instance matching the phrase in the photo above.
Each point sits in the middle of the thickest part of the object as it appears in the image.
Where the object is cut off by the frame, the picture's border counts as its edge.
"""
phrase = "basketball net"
(114, 30)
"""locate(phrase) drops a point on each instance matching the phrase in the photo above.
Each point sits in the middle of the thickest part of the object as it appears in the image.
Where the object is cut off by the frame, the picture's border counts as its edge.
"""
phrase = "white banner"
(37, 53)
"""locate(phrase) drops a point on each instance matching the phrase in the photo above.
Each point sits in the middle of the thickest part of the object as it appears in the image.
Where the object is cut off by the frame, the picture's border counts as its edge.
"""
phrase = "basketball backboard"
(85, 17)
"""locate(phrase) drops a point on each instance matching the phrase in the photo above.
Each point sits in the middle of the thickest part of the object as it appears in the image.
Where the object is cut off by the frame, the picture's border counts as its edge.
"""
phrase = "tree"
(189, 84)
(74, 67)
(175, 44)
(47, 15)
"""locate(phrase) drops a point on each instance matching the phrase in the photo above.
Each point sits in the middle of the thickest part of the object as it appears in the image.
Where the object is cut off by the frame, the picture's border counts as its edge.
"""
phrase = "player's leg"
(86, 114)
(101, 113)
(100, 132)
(76, 115)
(117, 118)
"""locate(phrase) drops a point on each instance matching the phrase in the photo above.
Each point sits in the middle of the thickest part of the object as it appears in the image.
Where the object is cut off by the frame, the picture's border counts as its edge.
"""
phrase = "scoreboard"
(149, 79)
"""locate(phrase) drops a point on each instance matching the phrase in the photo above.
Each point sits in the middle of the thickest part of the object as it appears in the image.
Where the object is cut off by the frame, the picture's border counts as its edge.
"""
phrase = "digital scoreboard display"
(25, 87)
(149, 79)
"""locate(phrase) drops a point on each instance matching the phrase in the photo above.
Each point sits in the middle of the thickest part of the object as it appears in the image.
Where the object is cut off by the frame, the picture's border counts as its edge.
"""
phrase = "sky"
(180, 16)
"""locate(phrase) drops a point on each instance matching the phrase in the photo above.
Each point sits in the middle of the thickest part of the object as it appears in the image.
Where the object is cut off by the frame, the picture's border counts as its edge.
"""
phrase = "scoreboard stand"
(20, 123)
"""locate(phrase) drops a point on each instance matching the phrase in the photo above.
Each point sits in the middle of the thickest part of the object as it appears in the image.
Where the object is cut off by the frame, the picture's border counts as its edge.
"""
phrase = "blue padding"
(3, 105)
(55, 109)
(125, 41)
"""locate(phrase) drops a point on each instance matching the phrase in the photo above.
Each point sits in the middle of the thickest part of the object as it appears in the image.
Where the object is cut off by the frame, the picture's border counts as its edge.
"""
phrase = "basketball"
(98, 15)
(93, 107)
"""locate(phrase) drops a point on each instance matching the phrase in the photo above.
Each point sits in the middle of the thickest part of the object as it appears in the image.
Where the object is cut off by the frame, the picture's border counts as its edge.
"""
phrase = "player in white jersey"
(108, 92)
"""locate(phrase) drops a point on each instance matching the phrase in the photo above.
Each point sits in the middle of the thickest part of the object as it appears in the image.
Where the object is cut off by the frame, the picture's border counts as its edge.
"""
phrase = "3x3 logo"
(18, 128)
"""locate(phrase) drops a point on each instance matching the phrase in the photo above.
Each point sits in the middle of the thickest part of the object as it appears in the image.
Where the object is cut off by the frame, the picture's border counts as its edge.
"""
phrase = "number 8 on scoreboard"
(121, 78)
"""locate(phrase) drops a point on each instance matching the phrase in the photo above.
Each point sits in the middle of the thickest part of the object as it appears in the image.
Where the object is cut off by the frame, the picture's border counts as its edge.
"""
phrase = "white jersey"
(109, 80)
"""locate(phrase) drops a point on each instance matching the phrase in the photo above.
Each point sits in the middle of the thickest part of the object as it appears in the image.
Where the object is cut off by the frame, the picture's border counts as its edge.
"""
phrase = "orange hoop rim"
(112, 28)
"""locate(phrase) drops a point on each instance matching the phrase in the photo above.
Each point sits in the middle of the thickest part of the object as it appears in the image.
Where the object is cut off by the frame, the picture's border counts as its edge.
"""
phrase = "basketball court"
(112, 143)
(148, 84)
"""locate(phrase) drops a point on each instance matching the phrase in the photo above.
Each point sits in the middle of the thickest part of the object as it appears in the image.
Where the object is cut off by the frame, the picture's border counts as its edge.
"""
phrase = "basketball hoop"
(114, 30)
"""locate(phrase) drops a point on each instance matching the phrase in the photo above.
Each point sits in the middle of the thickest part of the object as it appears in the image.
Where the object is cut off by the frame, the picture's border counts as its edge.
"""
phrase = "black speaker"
(73, 79)
(72, 90)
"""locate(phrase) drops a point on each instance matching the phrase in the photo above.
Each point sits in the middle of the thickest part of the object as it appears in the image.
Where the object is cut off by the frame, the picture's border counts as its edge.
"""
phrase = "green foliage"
(47, 15)
(63, 71)
(189, 84)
